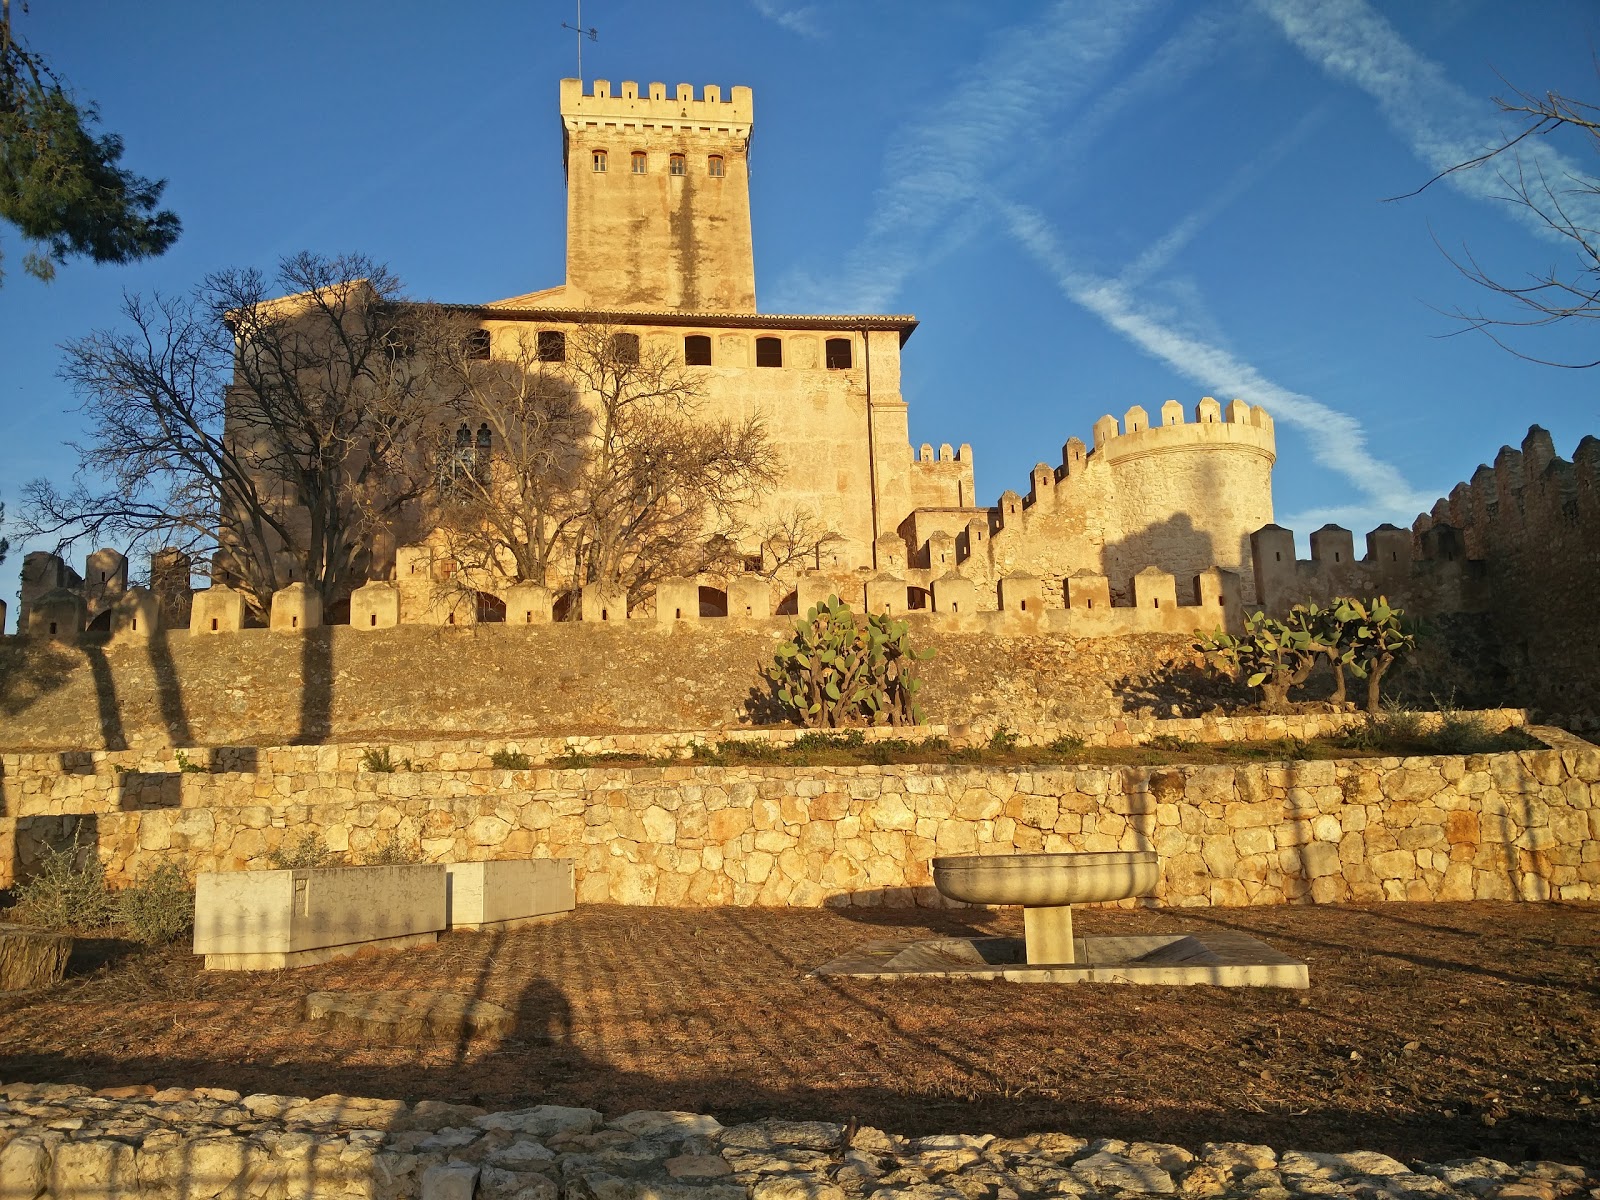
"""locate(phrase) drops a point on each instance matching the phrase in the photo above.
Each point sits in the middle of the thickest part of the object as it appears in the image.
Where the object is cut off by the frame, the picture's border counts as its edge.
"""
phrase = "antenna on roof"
(591, 33)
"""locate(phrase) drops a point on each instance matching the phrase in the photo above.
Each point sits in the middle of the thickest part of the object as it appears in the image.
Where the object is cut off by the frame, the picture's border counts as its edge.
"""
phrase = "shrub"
(68, 891)
(392, 850)
(1003, 740)
(185, 767)
(1463, 733)
(510, 760)
(379, 762)
(306, 852)
(839, 670)
(1065, 744)
(851, 739)
(158, 907)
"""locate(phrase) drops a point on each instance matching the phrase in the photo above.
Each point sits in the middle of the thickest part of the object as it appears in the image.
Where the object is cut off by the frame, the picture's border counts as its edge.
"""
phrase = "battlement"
(1529, 496)
(1238, 424)
(629, 106)
(1422, 574)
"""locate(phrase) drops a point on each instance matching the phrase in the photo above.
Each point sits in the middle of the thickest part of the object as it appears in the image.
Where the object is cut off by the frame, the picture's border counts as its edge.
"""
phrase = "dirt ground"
(1429, 1031)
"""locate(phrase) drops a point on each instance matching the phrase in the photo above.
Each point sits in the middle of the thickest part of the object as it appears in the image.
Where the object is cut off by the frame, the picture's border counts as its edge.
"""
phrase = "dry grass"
(1430, 1031)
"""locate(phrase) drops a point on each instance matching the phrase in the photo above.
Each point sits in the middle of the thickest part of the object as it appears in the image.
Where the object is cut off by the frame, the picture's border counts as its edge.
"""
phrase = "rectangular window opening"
(697, 350)
(598, 159)
(677, 165)
(837, 354)
(639, 162)
(552, 345)
(769, 352)
(714, 166)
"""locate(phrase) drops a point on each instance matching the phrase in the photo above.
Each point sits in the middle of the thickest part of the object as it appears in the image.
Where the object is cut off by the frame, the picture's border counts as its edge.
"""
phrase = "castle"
(1161, 510)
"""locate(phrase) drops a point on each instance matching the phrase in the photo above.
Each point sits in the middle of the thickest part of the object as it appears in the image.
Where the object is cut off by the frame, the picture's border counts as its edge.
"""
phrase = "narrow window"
(135, 625)
(697, 350)
(213, 626)
(1156, 603)
(675, 164)
(837, 354)
(769, 352)
(714, 166)
(552, 345)
(53, 627)
(294, 622)
(955, 606)
(373, 620)
(1024, 606)
(476, 346)
(598, 158)
(624, 347)
(1335, 556)
(1277, 556)
(639, 162)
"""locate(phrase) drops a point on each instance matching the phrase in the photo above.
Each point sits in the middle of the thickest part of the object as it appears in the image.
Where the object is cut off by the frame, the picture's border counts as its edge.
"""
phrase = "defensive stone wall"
(1501, 826)
(1181, 494)
(337, 684)
(1520, 542)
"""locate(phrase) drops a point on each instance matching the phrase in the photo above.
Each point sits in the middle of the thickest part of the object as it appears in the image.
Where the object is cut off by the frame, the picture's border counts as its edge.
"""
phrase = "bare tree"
(278, 435)
(1564, 205)
(603, 467)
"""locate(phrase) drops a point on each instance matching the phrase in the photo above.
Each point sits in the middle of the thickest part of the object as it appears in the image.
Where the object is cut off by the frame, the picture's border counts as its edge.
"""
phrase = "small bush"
(749, 751)
(1003, 740)
(157, 908)
(1463, 733)
(510, 760)
(186, 767)
(67, 891)
(392, 851)
(307, 852)
(1171, 743)
(1065, 744)
(1385, 729)
(851, 739)
(379, 762)
(967, 754)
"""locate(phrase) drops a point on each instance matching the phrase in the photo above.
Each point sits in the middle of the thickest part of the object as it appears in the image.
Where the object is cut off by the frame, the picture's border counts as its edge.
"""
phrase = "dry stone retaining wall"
(1503, 826)
(61, 1142)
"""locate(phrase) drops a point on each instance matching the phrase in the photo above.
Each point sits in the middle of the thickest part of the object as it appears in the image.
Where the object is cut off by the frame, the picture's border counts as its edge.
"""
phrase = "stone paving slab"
(1222, 958)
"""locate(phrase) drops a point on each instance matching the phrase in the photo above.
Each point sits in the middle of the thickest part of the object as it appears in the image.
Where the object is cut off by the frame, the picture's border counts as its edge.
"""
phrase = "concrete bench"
(504, 895)
(260, 920)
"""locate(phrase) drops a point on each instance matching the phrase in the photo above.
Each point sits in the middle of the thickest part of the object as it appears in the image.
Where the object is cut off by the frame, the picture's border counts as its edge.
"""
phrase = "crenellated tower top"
(658, 197)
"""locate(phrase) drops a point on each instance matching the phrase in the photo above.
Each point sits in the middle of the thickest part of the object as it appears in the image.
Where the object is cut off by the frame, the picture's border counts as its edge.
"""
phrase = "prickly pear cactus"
(840, 670)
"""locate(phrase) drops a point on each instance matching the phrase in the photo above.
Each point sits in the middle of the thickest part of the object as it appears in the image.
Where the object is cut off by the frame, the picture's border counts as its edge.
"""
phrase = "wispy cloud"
(1165, 248)
(802, 20)
(942, 165)
(1441, 123)
(1336, 439)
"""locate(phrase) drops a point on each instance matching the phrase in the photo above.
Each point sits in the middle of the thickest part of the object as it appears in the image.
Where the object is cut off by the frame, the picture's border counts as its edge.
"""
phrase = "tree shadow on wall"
(316, 686)
(30, 670)
(1178, 688)
(762, 705)
(1174, 545)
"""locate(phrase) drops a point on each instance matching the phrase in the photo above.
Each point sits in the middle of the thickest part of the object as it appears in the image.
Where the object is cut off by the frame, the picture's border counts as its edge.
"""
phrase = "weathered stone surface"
(543, 1121)
(399, 1018)
(667, 1124)
(1105, 1170)
(31, 958)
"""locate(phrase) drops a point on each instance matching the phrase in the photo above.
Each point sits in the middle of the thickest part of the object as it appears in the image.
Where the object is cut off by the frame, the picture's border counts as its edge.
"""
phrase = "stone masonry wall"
(1503, 826)
(259, 687)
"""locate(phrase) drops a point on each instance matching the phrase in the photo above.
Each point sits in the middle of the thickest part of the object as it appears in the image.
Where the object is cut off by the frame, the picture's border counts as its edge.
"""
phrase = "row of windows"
(624, 347)
(677, 164)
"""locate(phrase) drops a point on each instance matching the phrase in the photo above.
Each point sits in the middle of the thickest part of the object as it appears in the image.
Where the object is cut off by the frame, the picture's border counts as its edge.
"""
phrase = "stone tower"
(658, 198)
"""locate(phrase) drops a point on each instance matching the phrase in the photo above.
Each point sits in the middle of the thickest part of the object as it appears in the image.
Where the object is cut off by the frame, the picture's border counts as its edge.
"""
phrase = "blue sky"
(1088, 204)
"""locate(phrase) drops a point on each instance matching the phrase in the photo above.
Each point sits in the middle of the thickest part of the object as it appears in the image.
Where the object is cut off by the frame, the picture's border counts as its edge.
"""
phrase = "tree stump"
(31, 958)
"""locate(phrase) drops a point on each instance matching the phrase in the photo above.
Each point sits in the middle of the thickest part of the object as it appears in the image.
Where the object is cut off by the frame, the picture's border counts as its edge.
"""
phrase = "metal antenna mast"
(591, 33)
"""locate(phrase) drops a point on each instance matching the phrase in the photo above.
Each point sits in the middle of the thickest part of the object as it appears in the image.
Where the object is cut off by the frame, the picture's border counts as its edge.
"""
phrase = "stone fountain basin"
(1047, 880)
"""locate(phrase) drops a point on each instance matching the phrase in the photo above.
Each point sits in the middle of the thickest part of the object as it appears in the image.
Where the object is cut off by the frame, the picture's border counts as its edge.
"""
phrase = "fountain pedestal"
(1047, 886)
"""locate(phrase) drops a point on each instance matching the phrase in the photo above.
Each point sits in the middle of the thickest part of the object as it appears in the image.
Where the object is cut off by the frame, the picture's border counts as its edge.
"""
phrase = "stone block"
(216, 609)
(954, 593)
(1021, 594)
(295, 608)
(749, 597)
(885, 595)
(375, 606)
(677, 599)
(58, 615)
(261, 920)
(1156, 589)
(507, 893)
(529, 604)
(1086, 590)
(135, 615)
(604, 602)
